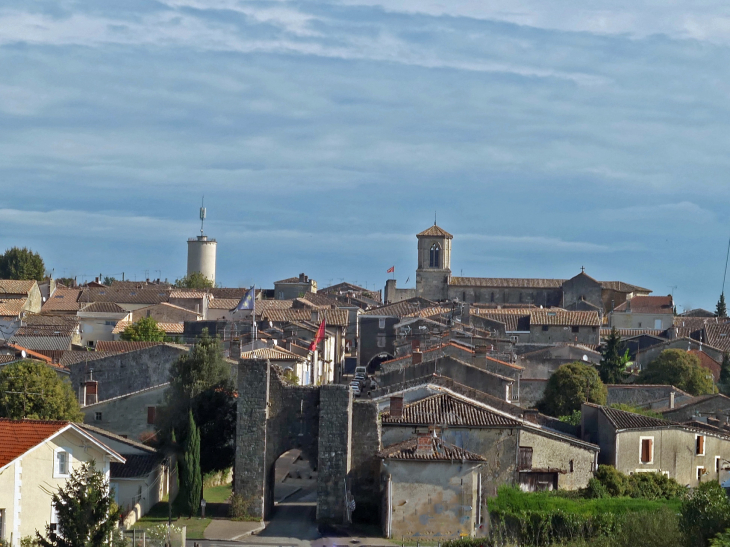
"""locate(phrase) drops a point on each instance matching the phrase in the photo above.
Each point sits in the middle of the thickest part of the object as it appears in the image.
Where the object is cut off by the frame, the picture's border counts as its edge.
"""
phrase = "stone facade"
(127, 415)
(377, 340)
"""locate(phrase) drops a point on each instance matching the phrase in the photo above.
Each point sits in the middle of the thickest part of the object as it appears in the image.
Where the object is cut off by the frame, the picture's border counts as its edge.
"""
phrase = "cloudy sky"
(324, 135)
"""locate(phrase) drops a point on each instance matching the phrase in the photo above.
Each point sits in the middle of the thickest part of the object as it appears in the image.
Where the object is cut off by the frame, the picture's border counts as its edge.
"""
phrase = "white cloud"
(544, 244)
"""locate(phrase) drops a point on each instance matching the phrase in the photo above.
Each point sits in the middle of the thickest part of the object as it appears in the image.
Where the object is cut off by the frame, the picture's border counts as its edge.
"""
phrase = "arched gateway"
(273, 418)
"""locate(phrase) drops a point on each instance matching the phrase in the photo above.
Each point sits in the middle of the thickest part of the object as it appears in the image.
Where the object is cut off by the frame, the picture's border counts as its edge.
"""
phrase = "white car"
(355, 387)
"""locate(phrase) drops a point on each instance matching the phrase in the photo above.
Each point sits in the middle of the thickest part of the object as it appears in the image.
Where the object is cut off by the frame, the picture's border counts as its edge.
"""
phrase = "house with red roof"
(36, 458)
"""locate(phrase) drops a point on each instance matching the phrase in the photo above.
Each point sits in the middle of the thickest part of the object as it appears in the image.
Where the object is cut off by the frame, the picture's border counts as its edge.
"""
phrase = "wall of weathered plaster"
(717, 406)
(126, 415)
(128, 372)
(365, 469)
(553, 454)
(432, 500)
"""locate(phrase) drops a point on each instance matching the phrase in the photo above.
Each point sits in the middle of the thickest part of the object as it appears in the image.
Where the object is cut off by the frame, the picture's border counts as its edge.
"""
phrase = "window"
(717, 464)
(700, 445)
(2, 523)
(281, 295)
(658, 324)
(434, 260)
(647, 449)
(575, 328)
(525, 458)
(151, 411)
(545, 328)
(381, 340)
(700, 471)
(381, 323)
(97, 416)
(492, 297)
(571, 466)
(62, 463)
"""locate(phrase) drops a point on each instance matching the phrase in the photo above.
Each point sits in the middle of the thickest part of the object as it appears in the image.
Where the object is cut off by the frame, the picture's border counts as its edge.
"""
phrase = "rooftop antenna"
(202, 214)
(434, 218)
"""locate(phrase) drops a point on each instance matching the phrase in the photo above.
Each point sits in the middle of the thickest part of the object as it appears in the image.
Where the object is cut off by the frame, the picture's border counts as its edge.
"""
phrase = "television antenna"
(202, 214)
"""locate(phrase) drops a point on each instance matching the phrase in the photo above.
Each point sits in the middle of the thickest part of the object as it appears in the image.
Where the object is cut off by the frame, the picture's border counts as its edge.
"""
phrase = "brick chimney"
(530, 415)
(90, 390)
(417, 357)
(480, 356)
(425, 445)
(396, 406)
(315, 317)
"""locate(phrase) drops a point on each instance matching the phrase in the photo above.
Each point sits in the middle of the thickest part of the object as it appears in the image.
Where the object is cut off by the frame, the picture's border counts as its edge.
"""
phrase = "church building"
(435, 282)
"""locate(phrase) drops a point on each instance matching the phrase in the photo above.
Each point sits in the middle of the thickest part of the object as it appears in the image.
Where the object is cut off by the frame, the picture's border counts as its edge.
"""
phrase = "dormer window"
(435, 256)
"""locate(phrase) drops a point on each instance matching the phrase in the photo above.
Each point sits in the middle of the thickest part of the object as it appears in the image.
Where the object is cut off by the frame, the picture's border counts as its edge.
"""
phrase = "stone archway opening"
(374, 364)
(294, 478)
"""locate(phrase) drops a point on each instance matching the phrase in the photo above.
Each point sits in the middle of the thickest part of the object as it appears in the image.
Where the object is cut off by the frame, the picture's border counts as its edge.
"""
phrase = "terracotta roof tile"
(337, 318)
(275, 354)
(444, 409)
(708, 362)
(223, 303)
(102, 307)
(31, 353)
(620, 286)
(229, 292)
(430, 312)
(145, 295)
(19, 436)
(13, 286)
(630, 333)
(647, 304)
(42, 342)
(440, 451)
(123, 346)
(628, 420)
(402, 308)
(288, 280)
(62, 300)
(507, 282)
(564, 318)
(435, 231)
(188, 293)
(11, 307)
(72, 357)
(718, 335)
(169, 328)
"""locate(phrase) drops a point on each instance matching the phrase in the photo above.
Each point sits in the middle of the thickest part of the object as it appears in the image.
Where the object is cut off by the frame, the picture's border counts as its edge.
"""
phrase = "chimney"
(235, 349)
(530, 415)
(424, 447)
(415, 344)
(396, 406)
(315, 316)
(671, 400)
(91, 390)
(480, 356)
(417, 357)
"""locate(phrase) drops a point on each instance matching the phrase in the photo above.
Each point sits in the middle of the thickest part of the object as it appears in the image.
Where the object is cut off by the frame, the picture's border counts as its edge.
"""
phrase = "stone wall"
(365, 470)
(126, 415)
(715, 406)
(531, 391)
(129, 372)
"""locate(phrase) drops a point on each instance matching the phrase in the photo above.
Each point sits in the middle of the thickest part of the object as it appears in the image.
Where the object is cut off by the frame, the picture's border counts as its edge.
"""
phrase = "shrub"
(615, 482)
(239, 507)
(596, 489)
(654, 486)
(721, 540)
(704, 514)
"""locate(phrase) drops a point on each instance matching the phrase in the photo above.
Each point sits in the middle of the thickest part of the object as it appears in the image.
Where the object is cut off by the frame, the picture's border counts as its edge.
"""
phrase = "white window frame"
(380, 340)
(2, 523)
(641, 444)
(697, 472)
(718, 467)
(69, 460)
(704, 445)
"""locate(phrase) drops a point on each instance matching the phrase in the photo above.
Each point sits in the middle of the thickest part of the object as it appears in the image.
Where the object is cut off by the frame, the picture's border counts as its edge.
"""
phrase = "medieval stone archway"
(373, 365)
(274, 417)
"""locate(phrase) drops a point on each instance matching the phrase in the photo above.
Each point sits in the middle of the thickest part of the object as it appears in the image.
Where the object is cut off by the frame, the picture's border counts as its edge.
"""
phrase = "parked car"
(362, 371)
(355, 388)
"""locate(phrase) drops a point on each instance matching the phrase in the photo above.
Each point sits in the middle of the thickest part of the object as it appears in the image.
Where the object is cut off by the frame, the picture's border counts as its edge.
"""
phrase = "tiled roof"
(435, 231)
(336, 318)
(58, 321)
(697, 312)
(507, 282)
(630, 333)
(430, 312)
(19, 436)
(229, 292)
(695, 323)
(620, 286)
(343, 288)
(142, 312)
(122, 346)
(628, 420)
(32, 354)
(440, 451)
(72, 357)
(137, 465)
(288, 280)
(169, 328)
(402, 308)
(275, 354)
(13, 286)
(42, 342)
(718, 335)
(102, 307)
(707, 362)
(7, 358)
(62, 300)
(193, 294)
(146, 295)
(647, 304)
(321, 299)
(514, 320)
(564, 318)
(223, 303)
(11, 307)
(445, 409)
(104, 433)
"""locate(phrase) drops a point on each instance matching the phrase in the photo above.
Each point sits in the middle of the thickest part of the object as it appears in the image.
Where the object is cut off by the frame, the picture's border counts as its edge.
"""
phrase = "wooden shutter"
(700, 444)
(646, 445)
(525, 458)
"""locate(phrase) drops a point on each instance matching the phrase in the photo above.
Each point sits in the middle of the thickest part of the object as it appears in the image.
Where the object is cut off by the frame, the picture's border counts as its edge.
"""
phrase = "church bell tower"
(434, 263)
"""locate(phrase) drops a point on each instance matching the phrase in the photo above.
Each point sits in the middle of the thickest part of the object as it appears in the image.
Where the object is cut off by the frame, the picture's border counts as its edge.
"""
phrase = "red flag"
(391, 269)
(318, 338)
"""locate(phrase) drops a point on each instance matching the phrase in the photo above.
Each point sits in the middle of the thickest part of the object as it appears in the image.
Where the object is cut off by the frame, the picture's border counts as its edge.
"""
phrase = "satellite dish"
(585, 358)
(23, 354)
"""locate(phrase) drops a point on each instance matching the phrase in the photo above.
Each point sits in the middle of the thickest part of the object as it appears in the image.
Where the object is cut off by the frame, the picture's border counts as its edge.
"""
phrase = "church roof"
(435, 231)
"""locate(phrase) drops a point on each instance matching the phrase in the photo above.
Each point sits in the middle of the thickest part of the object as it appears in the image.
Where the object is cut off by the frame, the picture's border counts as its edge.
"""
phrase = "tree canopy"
(30, 389)
(200, 381)
(613, 360)
(570, 386)
(144, 330)
(681, 369)
(87, 514)
(195, 280)
(17, 263)
(191, 480)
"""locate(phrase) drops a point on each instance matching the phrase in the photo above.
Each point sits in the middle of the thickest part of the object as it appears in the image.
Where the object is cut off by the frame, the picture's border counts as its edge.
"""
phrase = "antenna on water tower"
(202, 215)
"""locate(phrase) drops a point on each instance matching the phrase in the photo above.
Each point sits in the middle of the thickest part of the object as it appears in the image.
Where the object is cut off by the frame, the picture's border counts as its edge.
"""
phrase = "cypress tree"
(613, 362)
(191, 481)
(725, 374)
(721, 310)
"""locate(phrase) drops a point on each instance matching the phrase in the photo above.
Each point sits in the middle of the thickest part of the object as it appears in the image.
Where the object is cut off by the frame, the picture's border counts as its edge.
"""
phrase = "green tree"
(17, 263)
(200, 381)
(191, 479)
(108, 280)
(725, 374)
(30, 389)
(195, 280)
(144, 330)
(87, 514)
(613, 361)
(721, 309)
(681, 369)
(704, 514)
(570, 386)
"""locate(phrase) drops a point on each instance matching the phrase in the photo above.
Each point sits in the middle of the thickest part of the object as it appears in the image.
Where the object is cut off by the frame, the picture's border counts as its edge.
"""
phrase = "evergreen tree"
(87, 514)
(191, 480)
(570, 386)
(17, 263)
(720, 309)
(680, 369)
(613, 362)
(725, 374)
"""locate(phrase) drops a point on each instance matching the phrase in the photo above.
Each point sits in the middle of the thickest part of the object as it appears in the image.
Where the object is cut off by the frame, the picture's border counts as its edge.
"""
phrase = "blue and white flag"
(247, 302)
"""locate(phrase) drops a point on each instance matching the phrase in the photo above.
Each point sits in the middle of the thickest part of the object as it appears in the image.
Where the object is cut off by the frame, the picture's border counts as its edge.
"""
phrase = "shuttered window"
(647, 449)
(700, 445)
(525, 458)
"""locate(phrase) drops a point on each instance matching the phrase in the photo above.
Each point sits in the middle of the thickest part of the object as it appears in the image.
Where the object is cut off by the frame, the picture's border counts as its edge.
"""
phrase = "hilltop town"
(405, 409)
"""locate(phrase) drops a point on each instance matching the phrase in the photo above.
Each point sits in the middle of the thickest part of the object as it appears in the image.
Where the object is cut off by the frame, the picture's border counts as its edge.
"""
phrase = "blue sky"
(324, 134)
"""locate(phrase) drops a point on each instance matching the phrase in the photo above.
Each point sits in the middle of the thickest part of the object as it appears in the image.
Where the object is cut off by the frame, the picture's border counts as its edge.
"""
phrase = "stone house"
(284, 359)
(644, 312)
(18, 297)
(165, 312)
(633, 443)
(36, 458)
(62, 301)
(505, 449)
(294, 287)
(716, 406)
(98, 320)
(559, 326)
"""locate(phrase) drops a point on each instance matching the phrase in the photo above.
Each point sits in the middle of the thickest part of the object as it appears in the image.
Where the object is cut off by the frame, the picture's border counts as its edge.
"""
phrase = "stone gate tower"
(434, 263)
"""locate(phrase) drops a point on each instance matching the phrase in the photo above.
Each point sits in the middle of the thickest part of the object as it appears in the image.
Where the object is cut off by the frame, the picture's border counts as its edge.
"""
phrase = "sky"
(325, 134)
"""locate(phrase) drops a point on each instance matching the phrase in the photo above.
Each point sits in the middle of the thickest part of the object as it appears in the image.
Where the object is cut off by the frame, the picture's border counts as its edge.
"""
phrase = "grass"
(512, 500)
(196, 525)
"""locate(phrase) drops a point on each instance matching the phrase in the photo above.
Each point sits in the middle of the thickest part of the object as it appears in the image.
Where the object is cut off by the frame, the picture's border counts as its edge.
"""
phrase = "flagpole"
(253, 323)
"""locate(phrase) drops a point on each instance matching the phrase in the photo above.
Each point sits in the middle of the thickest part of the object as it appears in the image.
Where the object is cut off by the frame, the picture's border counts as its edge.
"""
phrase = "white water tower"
(201, 252)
